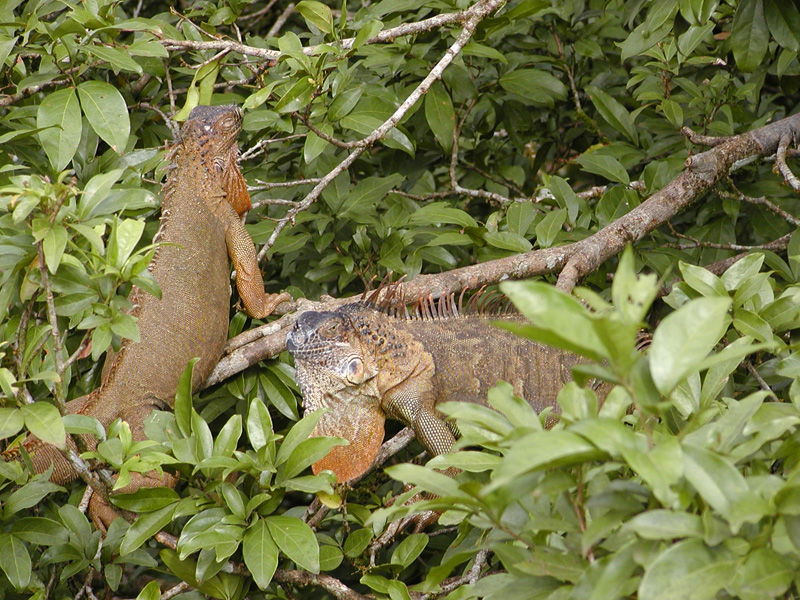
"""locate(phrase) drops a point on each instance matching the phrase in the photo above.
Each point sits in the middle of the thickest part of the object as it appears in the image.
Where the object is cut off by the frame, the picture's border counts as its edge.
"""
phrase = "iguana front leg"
(413, 404)
(257, 303)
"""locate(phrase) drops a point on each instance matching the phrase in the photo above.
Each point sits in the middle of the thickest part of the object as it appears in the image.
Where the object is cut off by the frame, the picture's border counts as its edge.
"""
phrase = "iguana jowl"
(365, 366)
(203, 196)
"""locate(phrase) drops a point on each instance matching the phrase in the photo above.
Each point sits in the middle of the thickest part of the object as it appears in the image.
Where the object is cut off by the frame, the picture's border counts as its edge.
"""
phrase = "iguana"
(203, 197)
(366, 364)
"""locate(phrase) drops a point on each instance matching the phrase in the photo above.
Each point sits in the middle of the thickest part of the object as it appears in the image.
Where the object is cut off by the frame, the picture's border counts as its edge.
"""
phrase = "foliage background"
(555, 119)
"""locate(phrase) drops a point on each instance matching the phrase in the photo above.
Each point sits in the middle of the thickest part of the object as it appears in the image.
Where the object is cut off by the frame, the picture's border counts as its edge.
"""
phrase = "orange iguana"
(203, 197)
(366, 365)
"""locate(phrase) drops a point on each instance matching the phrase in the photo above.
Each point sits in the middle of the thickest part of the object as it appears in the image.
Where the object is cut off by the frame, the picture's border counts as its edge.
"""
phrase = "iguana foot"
(271, 302)
(264, 305)
(103, 514)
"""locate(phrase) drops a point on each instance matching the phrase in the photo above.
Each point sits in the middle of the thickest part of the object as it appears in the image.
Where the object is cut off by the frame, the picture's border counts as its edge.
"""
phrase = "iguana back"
(366, 365)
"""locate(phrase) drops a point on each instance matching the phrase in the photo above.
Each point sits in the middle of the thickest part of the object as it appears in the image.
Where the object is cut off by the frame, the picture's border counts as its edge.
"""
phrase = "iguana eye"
(331, 328)
(355, 371)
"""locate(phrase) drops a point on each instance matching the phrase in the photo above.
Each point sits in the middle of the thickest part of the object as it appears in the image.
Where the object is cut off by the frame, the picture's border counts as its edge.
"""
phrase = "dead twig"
(699, 139)
(780, 162)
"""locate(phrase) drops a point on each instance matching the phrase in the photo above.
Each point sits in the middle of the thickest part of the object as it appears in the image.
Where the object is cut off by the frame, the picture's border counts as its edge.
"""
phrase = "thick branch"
(573, 260)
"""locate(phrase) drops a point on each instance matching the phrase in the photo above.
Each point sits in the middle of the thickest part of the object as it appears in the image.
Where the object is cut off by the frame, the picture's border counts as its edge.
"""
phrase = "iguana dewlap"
(203, 196)
(365, 366)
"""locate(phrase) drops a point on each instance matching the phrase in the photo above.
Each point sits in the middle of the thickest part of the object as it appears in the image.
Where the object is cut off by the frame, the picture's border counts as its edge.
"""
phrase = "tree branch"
(387, 35)
(573, 261)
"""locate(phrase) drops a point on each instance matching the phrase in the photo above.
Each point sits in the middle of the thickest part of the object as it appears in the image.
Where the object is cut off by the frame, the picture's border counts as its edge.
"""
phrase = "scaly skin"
(203, 196)
(366, 366)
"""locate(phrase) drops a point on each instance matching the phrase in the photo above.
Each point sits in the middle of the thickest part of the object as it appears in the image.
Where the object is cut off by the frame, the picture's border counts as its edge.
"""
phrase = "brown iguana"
(366, 365)
(203, 196)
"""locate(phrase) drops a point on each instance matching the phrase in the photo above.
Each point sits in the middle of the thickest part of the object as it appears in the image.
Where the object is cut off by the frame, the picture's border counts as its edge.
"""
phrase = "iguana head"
(337, 370)
(208, 139)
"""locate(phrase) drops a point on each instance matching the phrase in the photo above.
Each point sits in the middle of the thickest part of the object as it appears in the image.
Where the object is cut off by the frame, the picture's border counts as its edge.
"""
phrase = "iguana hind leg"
(100, 512)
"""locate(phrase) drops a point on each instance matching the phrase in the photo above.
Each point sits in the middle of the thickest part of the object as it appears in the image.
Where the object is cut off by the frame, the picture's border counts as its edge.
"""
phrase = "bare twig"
(173, 126)
(720, 266)
(737, 195)
(754, 372)
(321, 134)
(457, 187)
(387, 35)
(281, 20)
(703, 140)
(9, 99)
(330, 584)
(259, 147)
(175, 590)
(271, 185)
(780, 162)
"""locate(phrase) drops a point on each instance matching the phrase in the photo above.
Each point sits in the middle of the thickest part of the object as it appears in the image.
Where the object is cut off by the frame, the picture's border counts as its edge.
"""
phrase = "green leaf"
(441, 213)
(749, 323)
(507, 241)
(662, 524)
(45, 422)
(367, 192)
(764, 574)
(749, 36)
(40, 530)
(357, 542)
(28, 495)
(344, 102)
(684, 338)
(145, 527)
(549, 227)
(783, 19)
(146, 499)
(540, 87)
(259, 424)
(150, 592)
(228, 437)
(91, 201)
(605, 166)
(118, 58)
(296, 97)
(296, 541)
(53, 246)
(702, 280)
(717, 481)
(556, 318)
(297, 435)
(11, 421)
(543, 450)
(613, 112)
(15, 561)
(260, 553)
(684, 570)
(125, 234)
(440, 115)
(59, 118)
(409, 549)
(467, 460)
(316, 14)
(106, 112)
(673, 111)
(183, 400)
